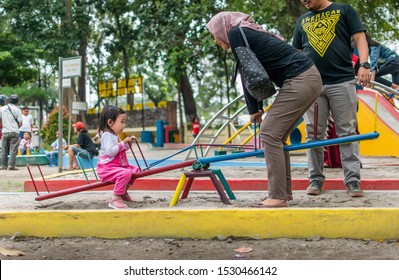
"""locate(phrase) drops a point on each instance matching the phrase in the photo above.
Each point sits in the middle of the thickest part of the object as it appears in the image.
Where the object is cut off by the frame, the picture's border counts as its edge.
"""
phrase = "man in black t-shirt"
(324, 34)
(84, 143)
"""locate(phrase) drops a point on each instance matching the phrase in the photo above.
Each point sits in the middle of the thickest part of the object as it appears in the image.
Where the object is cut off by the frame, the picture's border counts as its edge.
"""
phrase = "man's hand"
(363, 77)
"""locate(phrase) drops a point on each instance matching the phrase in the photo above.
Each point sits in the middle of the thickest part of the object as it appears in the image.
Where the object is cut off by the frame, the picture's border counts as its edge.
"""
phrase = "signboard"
(72, 67)
(75, 112)
(66, 83)
(82, 106)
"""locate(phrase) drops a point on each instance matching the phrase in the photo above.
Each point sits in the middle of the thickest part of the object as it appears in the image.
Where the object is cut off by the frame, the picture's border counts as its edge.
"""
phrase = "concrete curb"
(356, 223)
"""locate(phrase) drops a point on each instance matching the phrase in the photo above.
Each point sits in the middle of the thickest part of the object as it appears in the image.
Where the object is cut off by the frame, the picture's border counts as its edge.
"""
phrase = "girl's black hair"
(108, 113)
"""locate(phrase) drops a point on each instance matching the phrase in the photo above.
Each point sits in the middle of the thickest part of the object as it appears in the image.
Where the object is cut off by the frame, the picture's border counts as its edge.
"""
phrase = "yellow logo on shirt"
(320, 29)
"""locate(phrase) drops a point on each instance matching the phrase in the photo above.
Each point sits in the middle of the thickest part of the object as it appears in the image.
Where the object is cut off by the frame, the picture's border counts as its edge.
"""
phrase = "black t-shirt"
(281, 60)
(86, 143)
(325, 36)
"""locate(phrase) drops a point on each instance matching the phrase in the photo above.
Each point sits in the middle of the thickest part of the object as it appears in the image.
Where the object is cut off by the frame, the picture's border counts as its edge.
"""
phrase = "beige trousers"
(293, 100)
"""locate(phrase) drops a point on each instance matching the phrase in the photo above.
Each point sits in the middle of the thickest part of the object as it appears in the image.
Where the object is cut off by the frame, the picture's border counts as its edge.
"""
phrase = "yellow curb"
(358, 223)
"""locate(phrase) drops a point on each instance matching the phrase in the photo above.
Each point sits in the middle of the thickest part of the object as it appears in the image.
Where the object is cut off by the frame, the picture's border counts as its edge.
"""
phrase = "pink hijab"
(223, 22)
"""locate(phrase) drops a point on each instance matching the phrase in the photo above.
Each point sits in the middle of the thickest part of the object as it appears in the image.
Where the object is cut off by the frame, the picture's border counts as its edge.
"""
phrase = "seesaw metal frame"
(199, 164)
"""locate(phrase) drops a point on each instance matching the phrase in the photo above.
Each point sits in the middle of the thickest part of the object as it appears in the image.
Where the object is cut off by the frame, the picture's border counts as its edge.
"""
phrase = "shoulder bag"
(254, 75)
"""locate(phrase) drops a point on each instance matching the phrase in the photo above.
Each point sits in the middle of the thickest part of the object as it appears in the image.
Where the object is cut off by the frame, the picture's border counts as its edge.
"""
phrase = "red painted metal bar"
(134, 155)
(142, 156)
(187, 188)
(101, 184)
(34, 184)
(71, 190)
(217, 185)
(219, 189)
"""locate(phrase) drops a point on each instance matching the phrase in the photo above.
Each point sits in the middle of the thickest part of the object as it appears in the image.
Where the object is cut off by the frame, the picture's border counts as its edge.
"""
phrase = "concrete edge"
(356, 223)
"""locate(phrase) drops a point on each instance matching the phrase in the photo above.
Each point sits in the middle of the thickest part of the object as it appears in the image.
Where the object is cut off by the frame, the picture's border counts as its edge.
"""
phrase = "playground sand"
(13, 199)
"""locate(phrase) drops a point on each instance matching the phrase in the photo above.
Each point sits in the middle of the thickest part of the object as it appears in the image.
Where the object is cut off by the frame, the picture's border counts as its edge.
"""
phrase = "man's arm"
(363, 75)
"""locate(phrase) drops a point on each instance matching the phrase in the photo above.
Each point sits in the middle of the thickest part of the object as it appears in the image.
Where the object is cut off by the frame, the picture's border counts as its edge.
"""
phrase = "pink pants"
(117, 171)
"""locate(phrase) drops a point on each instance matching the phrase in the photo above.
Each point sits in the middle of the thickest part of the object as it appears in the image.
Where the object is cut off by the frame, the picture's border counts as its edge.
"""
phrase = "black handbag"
(253, 74)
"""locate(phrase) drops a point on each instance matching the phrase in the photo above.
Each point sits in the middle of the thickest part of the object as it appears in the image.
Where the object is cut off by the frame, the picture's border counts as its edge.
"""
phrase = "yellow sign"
(135, 85)
(105, 89)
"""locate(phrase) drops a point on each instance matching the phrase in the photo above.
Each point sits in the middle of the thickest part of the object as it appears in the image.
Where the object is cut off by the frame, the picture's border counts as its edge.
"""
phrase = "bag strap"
(243, 36)
(13, 114)
(234, 76)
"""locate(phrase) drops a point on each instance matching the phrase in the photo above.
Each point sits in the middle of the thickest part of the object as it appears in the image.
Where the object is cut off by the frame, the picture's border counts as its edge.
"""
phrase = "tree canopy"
(166, 41)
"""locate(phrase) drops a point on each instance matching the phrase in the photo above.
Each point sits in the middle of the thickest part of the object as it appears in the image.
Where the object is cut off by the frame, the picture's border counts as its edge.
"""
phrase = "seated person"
(53, 154)
(84, 143)
(97, 140)
(25, 144)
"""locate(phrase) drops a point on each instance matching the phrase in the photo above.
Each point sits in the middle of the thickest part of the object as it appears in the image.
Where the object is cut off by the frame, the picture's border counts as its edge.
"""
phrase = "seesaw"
(203, 163)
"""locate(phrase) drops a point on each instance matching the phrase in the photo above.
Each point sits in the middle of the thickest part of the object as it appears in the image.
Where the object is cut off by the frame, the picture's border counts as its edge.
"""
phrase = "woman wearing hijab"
(299, 82)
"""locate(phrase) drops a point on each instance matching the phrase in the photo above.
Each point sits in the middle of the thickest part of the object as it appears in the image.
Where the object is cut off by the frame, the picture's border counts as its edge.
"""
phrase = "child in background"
(113, 165)
(195, 127)
(53, 154)
(25, 144)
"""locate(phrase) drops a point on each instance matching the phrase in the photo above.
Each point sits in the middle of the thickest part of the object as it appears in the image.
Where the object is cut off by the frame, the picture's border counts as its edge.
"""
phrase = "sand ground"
(314, 248)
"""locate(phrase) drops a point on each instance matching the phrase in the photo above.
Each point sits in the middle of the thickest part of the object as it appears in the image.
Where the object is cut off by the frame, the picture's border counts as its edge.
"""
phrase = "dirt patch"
(314, 248)
(90, 248)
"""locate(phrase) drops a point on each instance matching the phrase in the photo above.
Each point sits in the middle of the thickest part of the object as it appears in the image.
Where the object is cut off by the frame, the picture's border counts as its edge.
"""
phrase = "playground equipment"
(386, 119)
(201, 163)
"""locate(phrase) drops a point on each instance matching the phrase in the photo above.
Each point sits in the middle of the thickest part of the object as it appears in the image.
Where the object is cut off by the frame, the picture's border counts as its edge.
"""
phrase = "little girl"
(25, 144)
(195, 127)
(113, 165)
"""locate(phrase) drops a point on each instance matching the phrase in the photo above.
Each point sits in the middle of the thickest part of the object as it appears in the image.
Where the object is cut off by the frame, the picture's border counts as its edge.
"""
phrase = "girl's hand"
(129, 139)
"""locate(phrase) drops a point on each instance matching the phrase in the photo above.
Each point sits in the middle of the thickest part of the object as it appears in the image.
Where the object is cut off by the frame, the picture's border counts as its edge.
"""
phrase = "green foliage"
(16, 61)
(166, 41)
(48, 132)
(26, 95)
(48, 25)
(381, 18)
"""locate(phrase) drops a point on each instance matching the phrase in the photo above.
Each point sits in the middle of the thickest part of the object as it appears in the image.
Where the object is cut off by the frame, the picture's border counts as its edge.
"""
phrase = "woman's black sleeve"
(236, 40)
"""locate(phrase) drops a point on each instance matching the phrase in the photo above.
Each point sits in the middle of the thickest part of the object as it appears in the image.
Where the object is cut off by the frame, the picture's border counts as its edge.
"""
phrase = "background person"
(383, 61)
(53, 154)
(84, 143)
(25, 144)
(195, 127)
(27, 122)
(10, 121)
(3, 101)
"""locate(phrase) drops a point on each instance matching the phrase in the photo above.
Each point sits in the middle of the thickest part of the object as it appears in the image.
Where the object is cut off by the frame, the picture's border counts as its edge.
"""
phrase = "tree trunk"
(190, 108)
(125, 59)
(295, 8)
(82, 79)
(188, 97)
